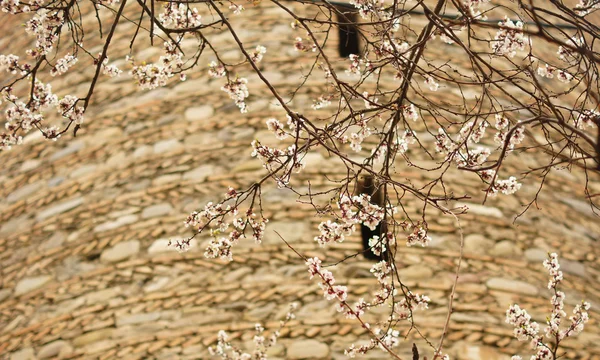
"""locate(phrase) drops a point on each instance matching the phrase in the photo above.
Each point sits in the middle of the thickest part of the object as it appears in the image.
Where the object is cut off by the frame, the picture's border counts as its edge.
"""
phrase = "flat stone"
(572, 267)
(157, 210)
(92, 337)
(291, 231)
(51, 350)
(307, 349)
(415, 272)
(506, 248)
(83, 170)
(28, 284)
(247, 165)
(30, 165)
(158, 246)
(122, 221)
(167, 146)
(4, 294)
(137, 318)
(118, 160)
(197, 113)
(15, 224)
(157, 283)
(102, 295)
(165, 179)
(142, 151)
(59, 209)
(191, 85)
(72, 148)
(478, 244)
(56, 240)
(23, 354)
(200, 173)
(55, 181)
(536, 255)
(483, 210)
(583, 207)
(104, 135)
(121, 251)
(25, 191)
(513, 286)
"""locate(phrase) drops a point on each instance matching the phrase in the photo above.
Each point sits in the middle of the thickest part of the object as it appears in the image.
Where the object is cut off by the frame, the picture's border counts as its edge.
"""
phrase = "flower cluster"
(238, 92)
(586, 6)
(566, 54)
(588, 118)
(151, 76)
(509, 38)
(180, 16)
(430, 82)
(227, 351)
(330, 291)
(525, 329)
(418, 236)
(549, 71)
(68, 108)
(45, 26)
(277, 127)
(63, 64)
(216, 70)
(110, 70)
(257, 54)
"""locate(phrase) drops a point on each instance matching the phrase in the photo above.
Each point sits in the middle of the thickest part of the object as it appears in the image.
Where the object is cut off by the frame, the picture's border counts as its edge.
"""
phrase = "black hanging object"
(366, 185)
(348, 33)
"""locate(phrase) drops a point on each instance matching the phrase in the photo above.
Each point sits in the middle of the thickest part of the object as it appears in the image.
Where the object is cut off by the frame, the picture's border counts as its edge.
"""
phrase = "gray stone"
(291, 231)
(122, 221)
(157, 283)
(105, 135)
(25, 191)
(506, 248)
(203, 112)
(573, 267)
(160, 245)
(191, 85)
(121, 251)
(15, 224)
(55, 181)
(51, 350)
(92, 337)
(59, 209)
(200, 173)
(478, 244)
(157, 210)
(23, 354)
(167, 146)
(118, 160)
(583, 207)
(30, 165)
(83, 170)
(137, 318)
(415, 272)
(28, 284)
(142, 151)
(536, 255)
(510, 285)
(73, 147)
(56, 240)
(484, 210)
(4, 294)
(165, 179)
(102, 295)
(307, 349)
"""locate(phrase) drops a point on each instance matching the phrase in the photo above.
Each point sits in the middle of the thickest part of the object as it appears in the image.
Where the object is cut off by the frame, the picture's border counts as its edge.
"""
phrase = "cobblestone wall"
(84, 222)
